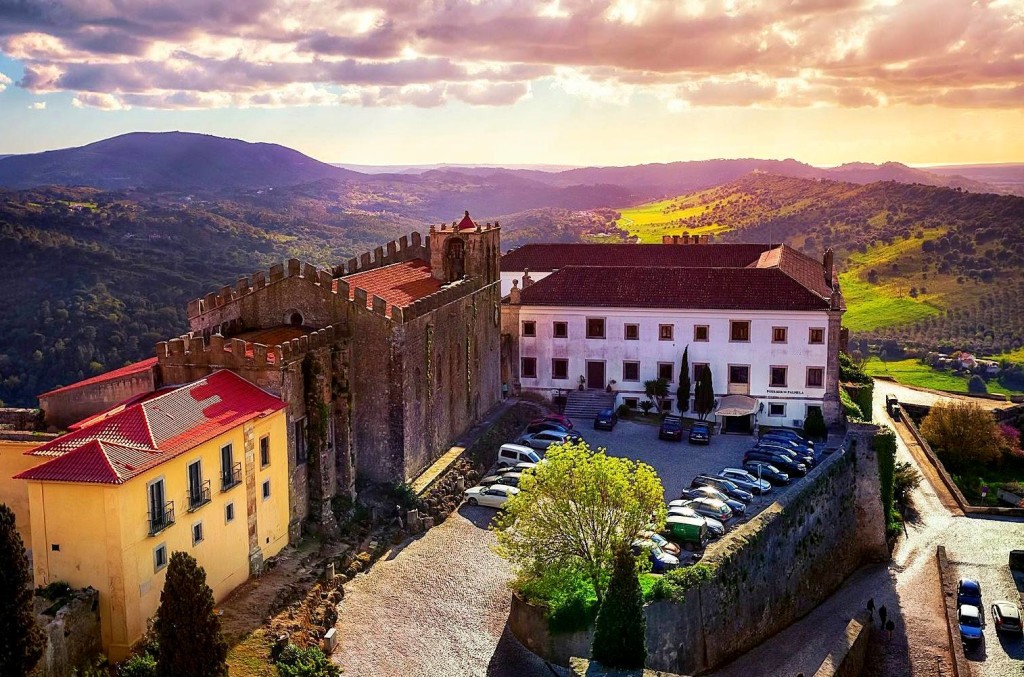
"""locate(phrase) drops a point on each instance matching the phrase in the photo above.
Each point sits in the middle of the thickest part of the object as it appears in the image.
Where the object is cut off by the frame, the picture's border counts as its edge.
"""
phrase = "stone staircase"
(585, 404)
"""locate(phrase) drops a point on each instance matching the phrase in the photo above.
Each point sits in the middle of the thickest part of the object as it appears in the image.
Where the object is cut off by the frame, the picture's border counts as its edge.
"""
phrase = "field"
(652, 220)
(912, 372)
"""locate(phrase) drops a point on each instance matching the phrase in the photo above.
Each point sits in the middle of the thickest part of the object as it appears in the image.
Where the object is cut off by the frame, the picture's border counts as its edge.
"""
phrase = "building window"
(559, 369)
(630, 371)
(815, 377)
(665, 332)
(701, 332)
(198, 488)
(817, 336)
(777, 409)
(266, 489)
(159, 557)
(55, 547)
(665, 371)
(632, 332)
(197, 533)
(813, 407)
(779, 334)
(229, 512)
(301, 453)
(595, 327)
(778, 379)
(529, 328)
(739, 373)
(560, 329)
(631, 402)
(265, 451)
(528, 367)
(739, 330)
(230, 472)
(161, 511)
(698, 369)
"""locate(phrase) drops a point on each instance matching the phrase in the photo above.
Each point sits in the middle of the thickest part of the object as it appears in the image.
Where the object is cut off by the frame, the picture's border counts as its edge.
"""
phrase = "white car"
(745, 480)
(493, 496)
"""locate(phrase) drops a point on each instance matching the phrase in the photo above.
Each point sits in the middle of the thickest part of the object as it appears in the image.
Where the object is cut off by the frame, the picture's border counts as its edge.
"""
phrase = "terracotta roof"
(118, 408)
(145, 434)
(797, 265)
(548, 257)
(651, 287)
(467, 223)
(127, 370)
(400, 284)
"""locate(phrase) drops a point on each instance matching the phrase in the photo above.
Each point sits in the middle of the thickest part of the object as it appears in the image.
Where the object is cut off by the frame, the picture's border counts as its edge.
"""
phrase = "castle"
(382, 361)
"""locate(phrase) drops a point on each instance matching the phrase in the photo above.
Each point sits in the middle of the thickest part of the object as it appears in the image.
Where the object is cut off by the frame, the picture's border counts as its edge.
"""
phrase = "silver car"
(744, 480)
(546, 438)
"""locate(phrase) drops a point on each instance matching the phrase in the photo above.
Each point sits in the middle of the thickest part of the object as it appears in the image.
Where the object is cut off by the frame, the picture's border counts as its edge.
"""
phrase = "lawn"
(652, 220)
(912, 372)
(875, 306)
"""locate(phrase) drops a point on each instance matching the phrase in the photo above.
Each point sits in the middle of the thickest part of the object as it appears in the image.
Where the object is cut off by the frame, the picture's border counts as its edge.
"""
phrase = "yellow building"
(201, 468)
(14, 458)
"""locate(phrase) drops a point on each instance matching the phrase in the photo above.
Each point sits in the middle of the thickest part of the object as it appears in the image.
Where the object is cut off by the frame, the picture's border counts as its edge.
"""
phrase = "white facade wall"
(760, 353)
(508, 275)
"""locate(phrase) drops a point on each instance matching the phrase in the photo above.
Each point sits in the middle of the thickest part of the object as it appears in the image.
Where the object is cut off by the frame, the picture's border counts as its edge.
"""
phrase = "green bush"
(675, 583)
(977, 385)
(138, 666)
(569, 595)
(850, 372)
(619, 635)
(814, 425)
(905, 480)
(850, 408)
(624, 411)
(311, 662)
(54, 591)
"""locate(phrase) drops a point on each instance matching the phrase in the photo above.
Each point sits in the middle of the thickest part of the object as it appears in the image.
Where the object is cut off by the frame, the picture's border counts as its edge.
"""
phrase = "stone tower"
(465, 249)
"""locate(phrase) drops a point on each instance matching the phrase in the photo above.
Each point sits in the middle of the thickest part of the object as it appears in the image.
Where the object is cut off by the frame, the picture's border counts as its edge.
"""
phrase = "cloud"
(216, 53)
(37, 105)
(4, 81)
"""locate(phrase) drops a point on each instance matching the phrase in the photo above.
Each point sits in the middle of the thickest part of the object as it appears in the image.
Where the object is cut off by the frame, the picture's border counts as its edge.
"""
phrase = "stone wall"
(64, 407)
(72, 633)
(769, 572)
(12, 418)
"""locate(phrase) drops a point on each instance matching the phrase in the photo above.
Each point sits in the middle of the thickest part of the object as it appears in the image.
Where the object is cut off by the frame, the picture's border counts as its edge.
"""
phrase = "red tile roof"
(548, 257)
(797, 265)
(145, 434)
(400, 284)
(467, 223)
(127, 370)
(651, 287)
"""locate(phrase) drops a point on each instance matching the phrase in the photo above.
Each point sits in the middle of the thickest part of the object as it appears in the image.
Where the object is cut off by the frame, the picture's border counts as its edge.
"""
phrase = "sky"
(576, 82)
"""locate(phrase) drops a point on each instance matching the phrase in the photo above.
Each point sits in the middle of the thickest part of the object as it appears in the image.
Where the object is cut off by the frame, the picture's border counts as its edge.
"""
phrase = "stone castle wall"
(61, 409)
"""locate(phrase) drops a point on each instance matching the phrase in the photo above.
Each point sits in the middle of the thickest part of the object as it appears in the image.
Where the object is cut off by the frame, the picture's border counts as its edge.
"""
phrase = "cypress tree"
(620, 635)
(187, 631)
(21, 640)
(704, 394)
(683, 392)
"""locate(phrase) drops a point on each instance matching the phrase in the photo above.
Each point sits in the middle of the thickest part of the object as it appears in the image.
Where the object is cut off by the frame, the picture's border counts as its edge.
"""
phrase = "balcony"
(199, 496)
(161, 520)
(231, 478)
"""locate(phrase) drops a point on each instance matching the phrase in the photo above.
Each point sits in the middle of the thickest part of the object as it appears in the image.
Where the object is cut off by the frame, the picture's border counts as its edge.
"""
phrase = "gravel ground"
(437, 607)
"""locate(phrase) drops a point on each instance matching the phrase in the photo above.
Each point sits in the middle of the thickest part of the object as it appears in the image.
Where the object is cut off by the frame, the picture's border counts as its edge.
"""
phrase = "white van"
(511, 454)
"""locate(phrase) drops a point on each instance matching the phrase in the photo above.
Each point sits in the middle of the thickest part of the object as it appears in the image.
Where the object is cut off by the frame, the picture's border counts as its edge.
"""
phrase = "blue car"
(700, 433)
(968, 592)
(605, 419)
(671, 429)
(661, 561)
(969, 620)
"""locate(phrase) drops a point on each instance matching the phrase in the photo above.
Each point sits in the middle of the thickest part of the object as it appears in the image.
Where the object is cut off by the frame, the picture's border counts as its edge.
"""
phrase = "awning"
(736, 405)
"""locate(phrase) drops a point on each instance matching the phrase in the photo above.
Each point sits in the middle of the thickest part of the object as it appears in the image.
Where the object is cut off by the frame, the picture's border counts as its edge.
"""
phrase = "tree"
(620, 633)
(962, 433)
(814, 424)
(22, 644)
(657, 390)
(976, 384)
(683, 391)
(186, 628)
(704, 394)
(575, 509)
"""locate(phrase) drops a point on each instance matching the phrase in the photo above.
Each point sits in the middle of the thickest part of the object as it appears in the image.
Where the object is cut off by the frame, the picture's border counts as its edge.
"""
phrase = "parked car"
(700, 433)
(518, 467)
(606, 419)
(781, 447)
(744, 480)
(725, 486)
(510, 479)
(791, 438)
(493, 496)
(691, 532)
(661, 561)
(778, 459)
(767, 471)
(663, 543)
(738, 507)
(1006, 616)
(671, 429)
(709, 507)
(514, 454)
(968, 591)
(555, 418)
(788, 434)
(715, 528)
(545, 439)
(541, 426)
(969, 619)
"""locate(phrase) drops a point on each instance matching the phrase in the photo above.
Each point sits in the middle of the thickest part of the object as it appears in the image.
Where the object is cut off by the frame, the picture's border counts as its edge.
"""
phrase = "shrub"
(138, 666)
(676, 582)
(976, 384)
(21, 640)
(647, 405)
(311, 662)
(962, 434)
(624, 411)
(905, 480)
(814, 425)
(850, 408)
(568, 594)
(185, 626)
(54, 591)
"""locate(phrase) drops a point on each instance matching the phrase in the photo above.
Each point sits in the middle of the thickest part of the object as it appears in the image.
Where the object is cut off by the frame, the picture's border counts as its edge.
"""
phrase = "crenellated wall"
(412, 246)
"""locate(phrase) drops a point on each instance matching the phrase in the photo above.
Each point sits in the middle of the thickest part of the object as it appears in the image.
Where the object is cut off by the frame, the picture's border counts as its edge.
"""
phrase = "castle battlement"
(220, 352)
(292, 268)
(412, 246)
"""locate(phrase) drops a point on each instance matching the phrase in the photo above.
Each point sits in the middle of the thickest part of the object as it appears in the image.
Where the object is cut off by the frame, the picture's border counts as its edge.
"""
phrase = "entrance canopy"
(736, 405)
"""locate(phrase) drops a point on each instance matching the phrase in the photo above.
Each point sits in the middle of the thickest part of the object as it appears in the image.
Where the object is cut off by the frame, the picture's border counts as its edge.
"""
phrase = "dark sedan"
(798, 454)
(767, 471)
(700, 433)
(606, 419)
(671, 429)
(780, 460)
(723, 485)
(968, 591)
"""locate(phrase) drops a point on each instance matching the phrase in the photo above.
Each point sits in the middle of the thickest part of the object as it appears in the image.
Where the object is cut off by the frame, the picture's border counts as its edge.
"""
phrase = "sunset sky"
(521, 81)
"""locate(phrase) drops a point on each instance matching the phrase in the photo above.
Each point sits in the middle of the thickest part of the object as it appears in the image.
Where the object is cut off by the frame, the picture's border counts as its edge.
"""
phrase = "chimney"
(666, 239)
(828, 263)
(514, 294)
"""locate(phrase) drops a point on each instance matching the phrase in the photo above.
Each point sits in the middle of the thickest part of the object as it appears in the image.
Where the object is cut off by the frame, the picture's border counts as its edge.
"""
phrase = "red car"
(554, 418)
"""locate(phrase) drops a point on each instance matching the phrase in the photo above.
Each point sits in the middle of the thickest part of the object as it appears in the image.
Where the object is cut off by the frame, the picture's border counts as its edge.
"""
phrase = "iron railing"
(161, 520)
(199, 496)
(231, 477)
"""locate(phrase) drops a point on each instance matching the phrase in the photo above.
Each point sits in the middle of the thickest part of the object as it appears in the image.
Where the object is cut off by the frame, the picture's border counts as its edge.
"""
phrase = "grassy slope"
(652, 220)
(912, 372)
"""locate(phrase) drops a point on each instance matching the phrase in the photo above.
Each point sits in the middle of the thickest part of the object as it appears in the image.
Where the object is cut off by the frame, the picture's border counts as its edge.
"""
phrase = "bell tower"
(465, 249)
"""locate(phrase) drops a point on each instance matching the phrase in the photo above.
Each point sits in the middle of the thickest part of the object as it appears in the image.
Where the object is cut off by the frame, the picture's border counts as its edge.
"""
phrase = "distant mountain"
(1008, 177)
(865, 172)
(420, 169)
(176, 161)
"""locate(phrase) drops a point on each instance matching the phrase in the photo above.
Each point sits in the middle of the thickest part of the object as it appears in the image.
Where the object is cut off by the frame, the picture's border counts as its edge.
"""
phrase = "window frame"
(265, 489)
(735, 324)
(777, 404)
(264, 451)
(785, 376)
(532, 361)
(604, 328)
(157, 565)
(565, 329)
(631, 402)
(202, 533)
(666, 336)
(229, 507)
(529, 328)
(807, 380)
(565, 373)
(707, 333)
(810, 336)
(738, 366)
(785, 335)
(631, 380)
(671, 366)
(625, 331)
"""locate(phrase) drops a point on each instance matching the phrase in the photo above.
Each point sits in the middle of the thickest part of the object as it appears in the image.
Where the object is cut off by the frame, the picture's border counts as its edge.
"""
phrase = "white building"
(765, 320)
